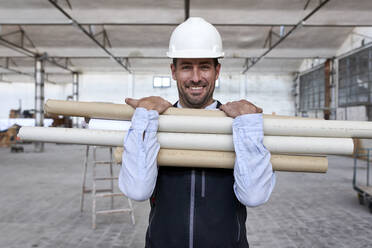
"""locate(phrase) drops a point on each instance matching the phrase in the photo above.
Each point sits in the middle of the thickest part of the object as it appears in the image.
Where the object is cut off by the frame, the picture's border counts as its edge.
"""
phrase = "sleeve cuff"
(145, 119)
(249, 122)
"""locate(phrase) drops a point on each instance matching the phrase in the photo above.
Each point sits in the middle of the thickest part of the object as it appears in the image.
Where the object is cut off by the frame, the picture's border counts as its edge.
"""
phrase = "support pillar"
(39, 98)
(369, 112)
(75, 96)
(327, 90)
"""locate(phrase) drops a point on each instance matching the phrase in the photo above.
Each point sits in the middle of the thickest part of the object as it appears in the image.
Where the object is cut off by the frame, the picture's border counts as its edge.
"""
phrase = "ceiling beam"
(6, 67)
(320, 25)
(58, 58)
(17, 48)
(307, 4)
(105, 38)
(298, 25)
(68, 4)
(17, 72)
(88, 34)
(25, 37)
(29, 53)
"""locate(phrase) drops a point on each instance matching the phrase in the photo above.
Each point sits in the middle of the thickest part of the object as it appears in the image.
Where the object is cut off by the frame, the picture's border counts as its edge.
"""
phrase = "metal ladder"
(102, 193)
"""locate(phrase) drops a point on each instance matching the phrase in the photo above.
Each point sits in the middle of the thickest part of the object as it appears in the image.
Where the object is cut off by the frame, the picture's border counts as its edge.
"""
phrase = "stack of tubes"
(203, 138)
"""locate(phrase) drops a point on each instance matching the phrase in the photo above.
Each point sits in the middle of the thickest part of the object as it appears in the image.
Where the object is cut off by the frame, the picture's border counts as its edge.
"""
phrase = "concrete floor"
(40, 207)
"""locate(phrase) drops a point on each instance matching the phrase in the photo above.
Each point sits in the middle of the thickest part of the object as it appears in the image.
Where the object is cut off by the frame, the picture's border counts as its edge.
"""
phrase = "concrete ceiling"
(140, 29)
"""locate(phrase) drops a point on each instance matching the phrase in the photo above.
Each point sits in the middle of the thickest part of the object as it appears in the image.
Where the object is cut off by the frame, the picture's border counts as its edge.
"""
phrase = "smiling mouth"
(196, 90)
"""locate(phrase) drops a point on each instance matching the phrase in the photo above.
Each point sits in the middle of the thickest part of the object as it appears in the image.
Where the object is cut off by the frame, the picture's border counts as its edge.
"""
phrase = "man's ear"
(218, 68)
(173, 69)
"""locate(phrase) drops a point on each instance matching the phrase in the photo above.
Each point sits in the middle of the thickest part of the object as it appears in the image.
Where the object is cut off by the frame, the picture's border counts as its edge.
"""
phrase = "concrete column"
(75, 96)
(334, 93)
(369, 106)
(327, 89)
(369, 112)
(39, 98)
(296, 94)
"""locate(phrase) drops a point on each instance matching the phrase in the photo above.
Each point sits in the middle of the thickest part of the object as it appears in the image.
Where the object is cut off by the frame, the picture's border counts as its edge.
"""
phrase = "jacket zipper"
(192, 209)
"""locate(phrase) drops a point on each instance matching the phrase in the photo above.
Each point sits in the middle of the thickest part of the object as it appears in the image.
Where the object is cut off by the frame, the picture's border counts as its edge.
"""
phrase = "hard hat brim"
(192, 54)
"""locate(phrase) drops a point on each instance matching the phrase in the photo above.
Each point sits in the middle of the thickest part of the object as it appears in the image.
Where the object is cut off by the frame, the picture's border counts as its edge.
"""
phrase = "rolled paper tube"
(112, 111)
(271, 126)
(275, 144)
(226, 160)
(318, 128)
(209, 121)
(187, 141)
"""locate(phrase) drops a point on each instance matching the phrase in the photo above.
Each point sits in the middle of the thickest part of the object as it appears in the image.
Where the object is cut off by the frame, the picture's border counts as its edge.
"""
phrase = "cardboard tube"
(112, 111)
(271, 126)
(318, 128)
(209, 121)
(226, 160)
(275, 144)
(213, 142)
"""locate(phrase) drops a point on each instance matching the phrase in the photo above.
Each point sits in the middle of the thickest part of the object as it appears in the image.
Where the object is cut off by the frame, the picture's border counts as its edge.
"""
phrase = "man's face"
(195, 81)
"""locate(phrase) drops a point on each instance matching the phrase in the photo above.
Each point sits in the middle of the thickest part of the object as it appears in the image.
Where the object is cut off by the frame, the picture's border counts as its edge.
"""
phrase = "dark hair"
(215, 62)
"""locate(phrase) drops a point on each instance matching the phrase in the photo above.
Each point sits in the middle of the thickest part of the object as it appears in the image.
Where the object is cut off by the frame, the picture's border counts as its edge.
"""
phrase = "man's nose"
(196, 75)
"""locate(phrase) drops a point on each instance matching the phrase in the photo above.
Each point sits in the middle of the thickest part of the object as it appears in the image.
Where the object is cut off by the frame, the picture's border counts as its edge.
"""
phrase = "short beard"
(190, 103)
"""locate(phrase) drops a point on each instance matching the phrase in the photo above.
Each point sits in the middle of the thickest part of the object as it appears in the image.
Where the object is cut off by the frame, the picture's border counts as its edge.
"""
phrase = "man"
(196, 207)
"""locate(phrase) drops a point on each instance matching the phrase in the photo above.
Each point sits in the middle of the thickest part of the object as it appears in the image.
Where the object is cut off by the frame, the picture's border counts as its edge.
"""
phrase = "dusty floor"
(40, 207)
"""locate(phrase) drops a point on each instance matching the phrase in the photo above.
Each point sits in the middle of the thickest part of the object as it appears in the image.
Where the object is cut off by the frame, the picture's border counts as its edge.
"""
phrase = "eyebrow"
(200, 63)
(185, 63)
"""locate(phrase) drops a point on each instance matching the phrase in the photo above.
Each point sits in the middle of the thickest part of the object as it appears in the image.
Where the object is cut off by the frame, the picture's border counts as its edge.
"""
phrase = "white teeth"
(196, 88)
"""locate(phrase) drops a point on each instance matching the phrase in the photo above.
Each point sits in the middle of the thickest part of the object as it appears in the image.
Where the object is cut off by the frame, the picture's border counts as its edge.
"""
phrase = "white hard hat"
(195, 38)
